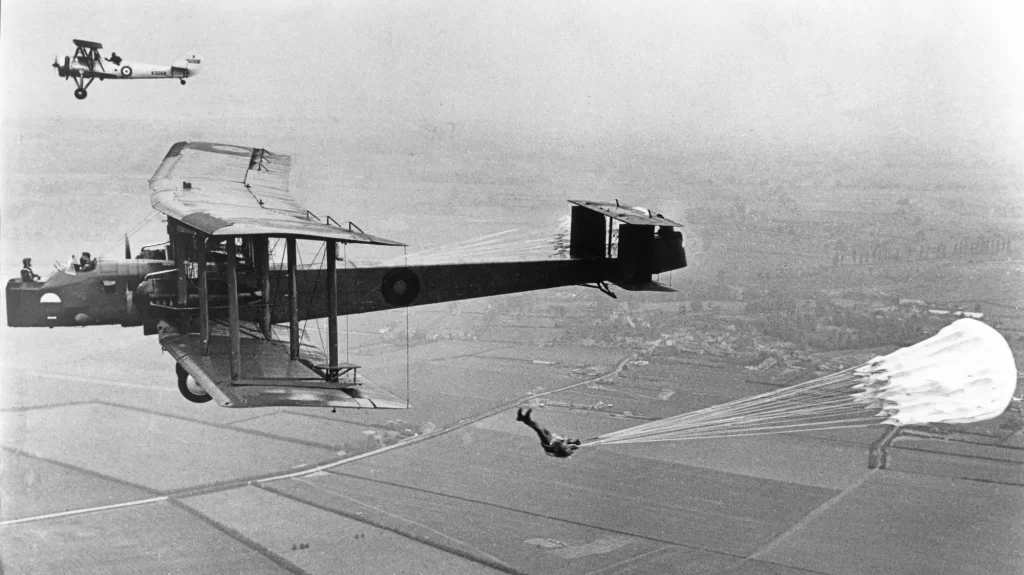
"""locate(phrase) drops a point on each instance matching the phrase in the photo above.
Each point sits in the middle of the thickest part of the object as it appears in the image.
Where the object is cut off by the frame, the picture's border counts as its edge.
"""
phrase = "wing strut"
(179, 238)
(261, 251)
(293, 302)
(235, 348)
(332, 307)
(204, 296)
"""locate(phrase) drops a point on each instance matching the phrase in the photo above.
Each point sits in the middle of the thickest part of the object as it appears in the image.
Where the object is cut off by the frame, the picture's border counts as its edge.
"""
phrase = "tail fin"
(646, 243)
(191, 63)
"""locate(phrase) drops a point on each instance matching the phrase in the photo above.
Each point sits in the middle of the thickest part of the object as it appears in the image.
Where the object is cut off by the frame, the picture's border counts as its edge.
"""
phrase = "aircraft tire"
(400, 287)
(184, 388)
(80, 93)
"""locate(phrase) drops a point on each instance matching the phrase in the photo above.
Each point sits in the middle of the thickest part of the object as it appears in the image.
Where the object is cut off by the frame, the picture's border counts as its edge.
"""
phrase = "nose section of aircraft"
(62, 71)
(29, 304)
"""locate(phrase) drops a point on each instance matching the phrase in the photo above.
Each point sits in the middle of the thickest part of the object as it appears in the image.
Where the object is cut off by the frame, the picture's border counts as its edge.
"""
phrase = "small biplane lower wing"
(226, 190)
(269, 376)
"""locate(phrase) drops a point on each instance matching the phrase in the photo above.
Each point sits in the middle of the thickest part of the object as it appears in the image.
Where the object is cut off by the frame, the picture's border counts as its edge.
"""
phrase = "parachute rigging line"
(964, 373)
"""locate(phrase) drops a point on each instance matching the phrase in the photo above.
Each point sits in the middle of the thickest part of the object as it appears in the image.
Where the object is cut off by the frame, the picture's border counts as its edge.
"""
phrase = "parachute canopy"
(964, 373)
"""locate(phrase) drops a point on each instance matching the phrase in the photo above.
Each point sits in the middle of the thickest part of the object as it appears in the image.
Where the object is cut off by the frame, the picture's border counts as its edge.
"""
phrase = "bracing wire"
(408, 392)
(131, 232)
(344, 247)
(277, 277)
(312, 293)
(512, 244)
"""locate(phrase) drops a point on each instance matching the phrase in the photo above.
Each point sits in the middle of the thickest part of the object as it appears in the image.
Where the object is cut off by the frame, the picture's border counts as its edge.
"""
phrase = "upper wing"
(627, 214)
(88, 44)
(225, 190)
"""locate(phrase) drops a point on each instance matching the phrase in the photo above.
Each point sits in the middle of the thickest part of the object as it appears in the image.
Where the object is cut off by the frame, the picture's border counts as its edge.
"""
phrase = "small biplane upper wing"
(226, 190)
(87, 44)
(269, 376)
(627, 214)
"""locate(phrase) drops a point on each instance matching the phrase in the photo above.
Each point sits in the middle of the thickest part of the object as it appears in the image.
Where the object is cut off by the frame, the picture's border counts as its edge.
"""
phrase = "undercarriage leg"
(81, 92)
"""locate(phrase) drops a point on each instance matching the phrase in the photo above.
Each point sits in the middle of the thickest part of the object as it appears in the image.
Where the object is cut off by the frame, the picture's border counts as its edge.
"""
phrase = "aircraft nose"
(62, 71)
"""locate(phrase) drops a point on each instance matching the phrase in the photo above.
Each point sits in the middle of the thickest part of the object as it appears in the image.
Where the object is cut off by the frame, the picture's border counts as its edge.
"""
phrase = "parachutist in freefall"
(554, 445)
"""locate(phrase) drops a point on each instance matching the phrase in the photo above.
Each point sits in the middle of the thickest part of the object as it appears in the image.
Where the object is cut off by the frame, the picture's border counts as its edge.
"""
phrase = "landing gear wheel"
(192, 392)
(80, 93)
(182, 82)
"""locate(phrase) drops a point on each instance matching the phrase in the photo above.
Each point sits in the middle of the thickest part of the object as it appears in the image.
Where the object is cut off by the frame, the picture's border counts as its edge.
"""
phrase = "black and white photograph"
(512, 286)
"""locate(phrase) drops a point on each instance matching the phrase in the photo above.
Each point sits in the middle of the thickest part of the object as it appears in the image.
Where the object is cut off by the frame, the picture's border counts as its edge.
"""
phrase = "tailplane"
(191, 64)
(638, 243)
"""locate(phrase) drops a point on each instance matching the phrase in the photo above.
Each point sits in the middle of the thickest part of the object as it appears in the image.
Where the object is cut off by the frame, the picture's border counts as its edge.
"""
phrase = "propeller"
(127, 248)
(62, 71)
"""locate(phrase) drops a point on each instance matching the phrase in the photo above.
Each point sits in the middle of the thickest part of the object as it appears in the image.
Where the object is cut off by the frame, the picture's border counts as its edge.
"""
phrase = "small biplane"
(229, 315)
(88, 64)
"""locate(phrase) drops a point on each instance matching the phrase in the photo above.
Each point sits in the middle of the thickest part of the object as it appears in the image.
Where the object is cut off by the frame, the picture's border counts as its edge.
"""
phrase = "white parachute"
(964, 373)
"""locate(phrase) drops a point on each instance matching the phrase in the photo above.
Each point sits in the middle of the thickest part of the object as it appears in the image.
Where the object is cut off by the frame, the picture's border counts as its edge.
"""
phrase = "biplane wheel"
(192, 392)
(80, 93)
(182, 82)
(400, 286)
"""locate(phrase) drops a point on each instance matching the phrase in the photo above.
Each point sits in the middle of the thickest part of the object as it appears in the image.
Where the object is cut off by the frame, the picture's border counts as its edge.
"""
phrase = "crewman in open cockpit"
(114, 58)
(86, 263)
(27, 275)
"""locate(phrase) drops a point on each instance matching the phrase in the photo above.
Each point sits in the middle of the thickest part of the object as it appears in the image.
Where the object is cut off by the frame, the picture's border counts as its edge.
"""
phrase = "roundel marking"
(400, 286)
(50, 297)
(126, 71)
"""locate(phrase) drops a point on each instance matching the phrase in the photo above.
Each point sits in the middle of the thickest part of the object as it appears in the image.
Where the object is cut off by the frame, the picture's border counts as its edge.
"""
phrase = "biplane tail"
(190, 64)
(638, 242)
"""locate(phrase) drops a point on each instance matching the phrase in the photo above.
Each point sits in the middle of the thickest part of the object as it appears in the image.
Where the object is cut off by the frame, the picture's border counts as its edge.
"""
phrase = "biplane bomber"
(229, 315)
(88, 64)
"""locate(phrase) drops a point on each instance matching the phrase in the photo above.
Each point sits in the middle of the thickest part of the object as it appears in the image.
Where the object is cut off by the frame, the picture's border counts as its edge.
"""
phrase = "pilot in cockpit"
(114, 58)
(27, 275)
(86, 263)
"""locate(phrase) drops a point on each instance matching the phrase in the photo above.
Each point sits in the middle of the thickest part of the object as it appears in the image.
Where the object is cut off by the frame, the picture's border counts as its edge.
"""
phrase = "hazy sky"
(933, 74)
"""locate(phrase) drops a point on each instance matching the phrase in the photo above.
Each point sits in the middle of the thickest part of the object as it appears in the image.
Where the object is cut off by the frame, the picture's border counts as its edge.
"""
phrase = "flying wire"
(131, 232)
(408, 393)
(344, 263)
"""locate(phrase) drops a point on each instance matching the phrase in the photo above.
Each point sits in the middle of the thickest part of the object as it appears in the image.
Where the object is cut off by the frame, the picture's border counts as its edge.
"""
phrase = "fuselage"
(96, 297)
(228, 275)
(137, 292)
(129, 70)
